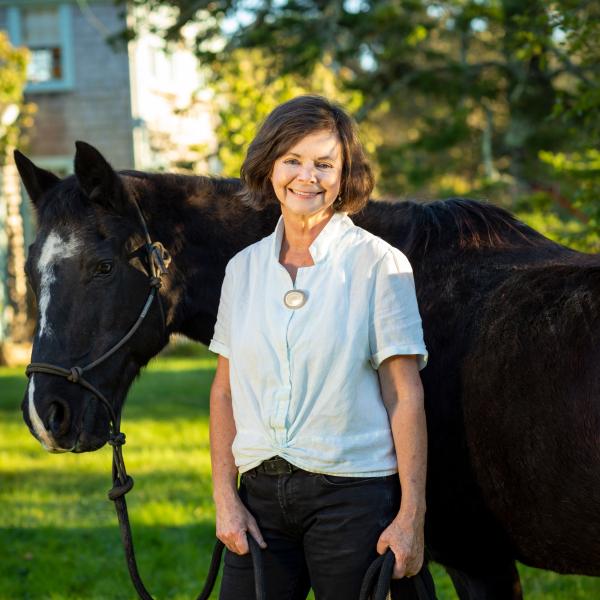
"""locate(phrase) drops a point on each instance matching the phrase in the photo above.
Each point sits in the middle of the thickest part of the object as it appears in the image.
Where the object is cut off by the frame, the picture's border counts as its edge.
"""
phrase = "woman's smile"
(304, 194)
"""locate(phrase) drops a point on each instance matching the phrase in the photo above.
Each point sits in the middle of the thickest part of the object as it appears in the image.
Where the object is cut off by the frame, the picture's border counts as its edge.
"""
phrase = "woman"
(317, 400)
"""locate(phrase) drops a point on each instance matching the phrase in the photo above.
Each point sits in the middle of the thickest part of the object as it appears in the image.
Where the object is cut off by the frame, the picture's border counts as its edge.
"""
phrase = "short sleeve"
(394, 322)
(220, 343)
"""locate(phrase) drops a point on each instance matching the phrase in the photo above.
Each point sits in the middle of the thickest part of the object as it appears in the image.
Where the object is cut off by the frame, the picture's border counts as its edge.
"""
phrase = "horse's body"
(511, 321)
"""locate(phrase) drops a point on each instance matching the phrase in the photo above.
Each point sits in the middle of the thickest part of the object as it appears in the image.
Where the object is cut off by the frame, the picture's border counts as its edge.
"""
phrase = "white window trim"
(65, 16)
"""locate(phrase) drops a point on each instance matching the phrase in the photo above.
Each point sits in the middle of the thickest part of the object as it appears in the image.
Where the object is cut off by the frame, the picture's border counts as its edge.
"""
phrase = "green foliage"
(458, 96)
(246, 92)
(579, 177)
(14, 112)
(59, 537)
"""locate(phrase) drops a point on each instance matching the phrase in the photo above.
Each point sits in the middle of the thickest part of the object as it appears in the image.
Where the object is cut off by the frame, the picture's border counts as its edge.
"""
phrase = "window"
(46, 31)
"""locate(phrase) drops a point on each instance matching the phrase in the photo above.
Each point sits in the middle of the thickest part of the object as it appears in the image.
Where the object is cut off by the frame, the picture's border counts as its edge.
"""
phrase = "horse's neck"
(203, 226)
(392, 222)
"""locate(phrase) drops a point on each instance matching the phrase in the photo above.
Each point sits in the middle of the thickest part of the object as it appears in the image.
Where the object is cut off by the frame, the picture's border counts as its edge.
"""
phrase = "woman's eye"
(103, 268)
(323, 165)
(290, 161)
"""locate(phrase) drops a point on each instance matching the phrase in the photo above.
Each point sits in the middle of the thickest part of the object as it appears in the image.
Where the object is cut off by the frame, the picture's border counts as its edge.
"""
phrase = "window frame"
(65, 21)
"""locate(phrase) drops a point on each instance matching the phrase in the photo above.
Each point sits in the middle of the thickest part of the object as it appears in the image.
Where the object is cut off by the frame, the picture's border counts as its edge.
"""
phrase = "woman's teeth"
(307, 194)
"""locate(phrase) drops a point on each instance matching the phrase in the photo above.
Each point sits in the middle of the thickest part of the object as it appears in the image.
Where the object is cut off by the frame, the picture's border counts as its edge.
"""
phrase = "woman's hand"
(234, 521)
(407, 541)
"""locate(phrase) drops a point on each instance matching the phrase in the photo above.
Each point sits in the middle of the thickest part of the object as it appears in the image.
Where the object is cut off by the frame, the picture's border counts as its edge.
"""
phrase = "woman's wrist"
(412, 513)
(225, 490)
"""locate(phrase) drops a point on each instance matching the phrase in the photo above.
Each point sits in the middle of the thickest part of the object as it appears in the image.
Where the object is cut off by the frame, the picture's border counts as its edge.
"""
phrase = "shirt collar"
(320, 246)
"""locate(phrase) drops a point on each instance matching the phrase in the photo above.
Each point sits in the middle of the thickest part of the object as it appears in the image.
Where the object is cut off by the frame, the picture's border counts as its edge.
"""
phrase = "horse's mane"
(457, 223)
(214, 183)
(196, 189)
(470, 224)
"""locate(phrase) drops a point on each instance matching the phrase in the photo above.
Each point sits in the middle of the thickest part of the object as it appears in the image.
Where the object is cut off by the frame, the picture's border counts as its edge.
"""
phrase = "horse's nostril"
(58, 418)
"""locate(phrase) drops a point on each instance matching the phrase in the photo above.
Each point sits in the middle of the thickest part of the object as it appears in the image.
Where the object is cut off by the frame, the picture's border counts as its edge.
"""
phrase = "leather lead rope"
(379, 576)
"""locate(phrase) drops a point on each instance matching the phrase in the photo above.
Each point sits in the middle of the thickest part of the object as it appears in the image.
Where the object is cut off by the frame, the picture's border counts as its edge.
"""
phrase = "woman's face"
(306, 179)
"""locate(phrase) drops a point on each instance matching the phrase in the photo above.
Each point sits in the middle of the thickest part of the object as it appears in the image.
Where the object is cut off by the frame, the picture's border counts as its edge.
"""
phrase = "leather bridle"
(158, 262)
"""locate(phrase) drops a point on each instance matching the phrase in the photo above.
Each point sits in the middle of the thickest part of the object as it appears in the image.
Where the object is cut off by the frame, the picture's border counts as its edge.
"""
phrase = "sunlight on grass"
(59, 538)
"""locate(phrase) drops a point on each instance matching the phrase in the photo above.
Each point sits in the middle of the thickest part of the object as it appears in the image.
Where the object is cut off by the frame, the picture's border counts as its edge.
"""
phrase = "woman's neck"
(300, 231)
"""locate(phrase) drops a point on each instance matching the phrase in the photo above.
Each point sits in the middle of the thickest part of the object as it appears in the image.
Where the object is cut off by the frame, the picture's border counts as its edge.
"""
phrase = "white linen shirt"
(304, 384)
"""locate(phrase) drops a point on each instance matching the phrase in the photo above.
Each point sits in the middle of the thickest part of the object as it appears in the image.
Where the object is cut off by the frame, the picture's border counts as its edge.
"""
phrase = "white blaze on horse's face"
(55, 248)
(38, 426)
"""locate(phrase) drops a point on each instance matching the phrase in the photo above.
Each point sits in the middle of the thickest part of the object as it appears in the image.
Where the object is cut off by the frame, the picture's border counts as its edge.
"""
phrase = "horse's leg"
(499, 584)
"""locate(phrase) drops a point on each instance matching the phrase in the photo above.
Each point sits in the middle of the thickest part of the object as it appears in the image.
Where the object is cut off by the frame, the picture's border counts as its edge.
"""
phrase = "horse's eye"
(103, 268)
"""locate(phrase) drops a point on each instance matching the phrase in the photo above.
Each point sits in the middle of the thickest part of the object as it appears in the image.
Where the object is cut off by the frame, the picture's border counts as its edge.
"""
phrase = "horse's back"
(531, 401)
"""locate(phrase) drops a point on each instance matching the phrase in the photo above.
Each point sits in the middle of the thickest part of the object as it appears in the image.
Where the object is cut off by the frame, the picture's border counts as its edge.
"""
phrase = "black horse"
(511, 320)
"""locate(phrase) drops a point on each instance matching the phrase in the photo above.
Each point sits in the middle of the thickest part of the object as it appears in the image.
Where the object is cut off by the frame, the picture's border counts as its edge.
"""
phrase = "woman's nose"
(307, 173)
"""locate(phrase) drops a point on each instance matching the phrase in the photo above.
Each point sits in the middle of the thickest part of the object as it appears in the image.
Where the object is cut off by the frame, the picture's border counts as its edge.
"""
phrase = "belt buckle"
(270, 466)
(277, 466)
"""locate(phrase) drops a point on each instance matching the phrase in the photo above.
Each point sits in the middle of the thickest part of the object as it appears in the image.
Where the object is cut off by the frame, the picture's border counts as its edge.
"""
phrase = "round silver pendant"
(295, 299)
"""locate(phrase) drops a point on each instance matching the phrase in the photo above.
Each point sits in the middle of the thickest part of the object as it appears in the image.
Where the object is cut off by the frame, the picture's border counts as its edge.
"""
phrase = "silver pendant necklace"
(295, 299)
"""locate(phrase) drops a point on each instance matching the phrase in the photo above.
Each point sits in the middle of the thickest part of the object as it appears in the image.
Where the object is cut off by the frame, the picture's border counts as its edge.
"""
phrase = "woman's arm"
(233, 518)
(402, 394)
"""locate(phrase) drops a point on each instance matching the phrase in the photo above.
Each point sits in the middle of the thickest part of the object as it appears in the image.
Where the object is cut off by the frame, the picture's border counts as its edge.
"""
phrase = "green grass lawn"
(59, 537)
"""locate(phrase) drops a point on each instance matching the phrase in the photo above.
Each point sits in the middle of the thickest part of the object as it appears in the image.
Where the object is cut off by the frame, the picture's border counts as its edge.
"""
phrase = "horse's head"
(90, 273)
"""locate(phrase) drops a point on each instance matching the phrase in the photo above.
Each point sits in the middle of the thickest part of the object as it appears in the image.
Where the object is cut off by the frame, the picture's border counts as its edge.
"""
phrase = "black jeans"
(321, 532)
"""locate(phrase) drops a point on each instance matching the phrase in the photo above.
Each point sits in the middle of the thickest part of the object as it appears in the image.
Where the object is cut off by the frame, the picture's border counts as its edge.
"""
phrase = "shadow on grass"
(66, 562)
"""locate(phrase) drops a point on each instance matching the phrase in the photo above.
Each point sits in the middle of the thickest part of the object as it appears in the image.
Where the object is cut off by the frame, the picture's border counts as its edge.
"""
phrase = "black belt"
(275, 466)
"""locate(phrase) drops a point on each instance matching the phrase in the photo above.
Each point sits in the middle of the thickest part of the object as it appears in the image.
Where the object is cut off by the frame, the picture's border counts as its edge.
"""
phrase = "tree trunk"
(15, 329)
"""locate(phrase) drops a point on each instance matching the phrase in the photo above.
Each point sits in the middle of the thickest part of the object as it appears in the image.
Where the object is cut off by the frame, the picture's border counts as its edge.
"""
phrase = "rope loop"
(117, 491)
(117, 439)
(160, 257)
(75, 374)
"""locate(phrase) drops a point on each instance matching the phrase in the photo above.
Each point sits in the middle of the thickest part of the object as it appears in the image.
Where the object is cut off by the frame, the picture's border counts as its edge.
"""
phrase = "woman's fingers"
(400, 566)
(255, 532)
(241, 543)
(235, 541)
(383, 543)
(407, 564)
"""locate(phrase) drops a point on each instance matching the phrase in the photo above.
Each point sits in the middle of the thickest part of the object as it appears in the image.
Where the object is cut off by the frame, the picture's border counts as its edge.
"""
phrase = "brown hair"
(287, 125)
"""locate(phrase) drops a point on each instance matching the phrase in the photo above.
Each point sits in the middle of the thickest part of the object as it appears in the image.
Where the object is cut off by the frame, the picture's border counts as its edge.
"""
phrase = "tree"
(468, 96)
(246, 92)
(15, 114)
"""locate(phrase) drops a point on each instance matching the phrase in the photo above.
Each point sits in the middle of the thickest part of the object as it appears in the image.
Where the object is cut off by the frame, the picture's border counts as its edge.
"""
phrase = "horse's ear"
(36, 181)
(97, 179)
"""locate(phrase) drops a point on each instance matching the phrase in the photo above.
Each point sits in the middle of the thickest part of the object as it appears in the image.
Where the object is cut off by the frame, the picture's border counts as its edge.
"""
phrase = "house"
(142, 106)
(133, 101)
